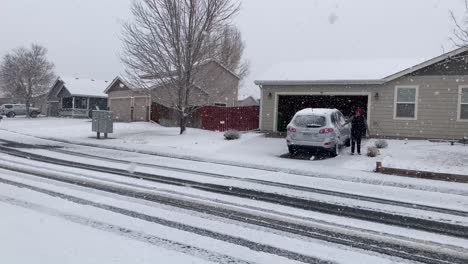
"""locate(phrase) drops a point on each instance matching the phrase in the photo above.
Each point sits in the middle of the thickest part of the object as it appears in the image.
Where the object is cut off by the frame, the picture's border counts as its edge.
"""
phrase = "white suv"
(318, 129)
(12, 110)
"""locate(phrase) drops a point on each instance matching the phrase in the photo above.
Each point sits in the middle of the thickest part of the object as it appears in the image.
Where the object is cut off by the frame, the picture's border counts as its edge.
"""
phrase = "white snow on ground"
(31, 237)
(307, 247)
(434, 199)
(256, 207)
(252, 148)
(347, 174)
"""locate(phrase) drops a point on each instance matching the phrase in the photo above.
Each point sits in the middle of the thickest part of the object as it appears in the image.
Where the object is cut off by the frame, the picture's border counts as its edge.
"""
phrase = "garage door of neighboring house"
(121, 108)
(288, 104)
(140, 109)
(53, 108)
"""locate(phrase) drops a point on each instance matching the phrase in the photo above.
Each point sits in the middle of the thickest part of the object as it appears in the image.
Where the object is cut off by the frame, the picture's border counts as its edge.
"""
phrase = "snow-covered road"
(185, 235)
(204, 234)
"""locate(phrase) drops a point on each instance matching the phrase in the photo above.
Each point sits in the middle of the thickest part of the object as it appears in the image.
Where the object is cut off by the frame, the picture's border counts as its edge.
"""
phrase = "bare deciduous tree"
(460, 32)
(227, 47)
(167, 40)
(26, 73)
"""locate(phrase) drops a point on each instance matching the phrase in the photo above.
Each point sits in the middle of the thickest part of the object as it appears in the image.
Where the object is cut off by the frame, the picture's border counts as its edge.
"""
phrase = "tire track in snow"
(277, 184)
(125, 232)
(199, 231)
(300, 203)
(263, 168)
(391, 248)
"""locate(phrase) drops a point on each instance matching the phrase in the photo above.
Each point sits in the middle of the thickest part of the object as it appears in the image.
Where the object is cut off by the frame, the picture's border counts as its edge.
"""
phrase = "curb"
(422, 174)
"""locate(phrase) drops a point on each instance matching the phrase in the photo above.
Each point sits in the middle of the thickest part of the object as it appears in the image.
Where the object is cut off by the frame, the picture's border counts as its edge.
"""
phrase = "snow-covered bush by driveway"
(231, 135)
(381, 143)
(372, 151)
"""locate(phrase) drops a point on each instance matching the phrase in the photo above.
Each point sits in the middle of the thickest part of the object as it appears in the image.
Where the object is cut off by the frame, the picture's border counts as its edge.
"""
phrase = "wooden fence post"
(378, 166)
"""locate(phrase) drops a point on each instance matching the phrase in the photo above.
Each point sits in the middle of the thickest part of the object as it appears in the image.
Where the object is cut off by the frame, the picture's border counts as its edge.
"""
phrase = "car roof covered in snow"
(85, 87)
(315, 111)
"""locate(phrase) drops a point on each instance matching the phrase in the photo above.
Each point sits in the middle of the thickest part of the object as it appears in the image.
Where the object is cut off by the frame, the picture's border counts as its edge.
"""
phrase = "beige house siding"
(141, 108)
(436, 111)
(221, 85)
(215, 85)
(121, 100)
(121, 109)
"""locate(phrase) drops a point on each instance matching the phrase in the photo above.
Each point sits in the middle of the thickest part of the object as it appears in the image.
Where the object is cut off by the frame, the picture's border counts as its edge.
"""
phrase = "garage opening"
(288, 105)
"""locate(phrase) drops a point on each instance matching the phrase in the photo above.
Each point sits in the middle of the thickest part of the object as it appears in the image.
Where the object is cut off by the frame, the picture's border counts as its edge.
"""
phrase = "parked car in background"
(313, 129)
(12, 110)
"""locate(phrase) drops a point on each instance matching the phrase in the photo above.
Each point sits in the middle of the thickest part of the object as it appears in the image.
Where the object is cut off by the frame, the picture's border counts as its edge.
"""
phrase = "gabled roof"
(203, 63)
(222, 66)
(427, 63)
(347, 72)
(248, 101)
(117, 79)
(83, 86)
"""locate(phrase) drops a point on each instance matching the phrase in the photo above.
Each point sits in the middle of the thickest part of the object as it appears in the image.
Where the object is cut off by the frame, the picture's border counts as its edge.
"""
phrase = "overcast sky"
(82, 36)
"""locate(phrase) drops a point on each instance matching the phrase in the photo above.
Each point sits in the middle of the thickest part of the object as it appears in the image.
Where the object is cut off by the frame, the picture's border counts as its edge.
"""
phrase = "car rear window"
(310, 121)
(8, 106)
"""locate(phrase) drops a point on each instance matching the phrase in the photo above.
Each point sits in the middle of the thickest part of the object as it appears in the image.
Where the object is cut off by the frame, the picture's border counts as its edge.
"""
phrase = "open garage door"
(288, 105)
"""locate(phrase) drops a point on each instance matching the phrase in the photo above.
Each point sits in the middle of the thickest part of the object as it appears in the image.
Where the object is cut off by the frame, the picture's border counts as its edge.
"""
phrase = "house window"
(67, 102)
(406, 102)
(81, 103)
(463, 99)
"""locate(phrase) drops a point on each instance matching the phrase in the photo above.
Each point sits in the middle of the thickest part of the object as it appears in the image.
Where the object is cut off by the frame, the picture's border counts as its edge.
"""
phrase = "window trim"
(459, 119)
(416, 102)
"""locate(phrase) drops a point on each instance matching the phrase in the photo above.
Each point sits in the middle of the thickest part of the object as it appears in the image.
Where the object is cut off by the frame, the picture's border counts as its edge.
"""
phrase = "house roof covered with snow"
(85, 87)
(346, 71)
(323, 70)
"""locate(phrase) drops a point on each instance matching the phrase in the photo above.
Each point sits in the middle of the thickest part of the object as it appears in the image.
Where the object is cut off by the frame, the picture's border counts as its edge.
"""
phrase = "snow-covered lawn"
(252, 148)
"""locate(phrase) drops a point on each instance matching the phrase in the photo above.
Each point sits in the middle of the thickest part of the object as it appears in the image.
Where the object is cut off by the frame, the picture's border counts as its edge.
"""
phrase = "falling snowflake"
(332, 18)
(131, 167)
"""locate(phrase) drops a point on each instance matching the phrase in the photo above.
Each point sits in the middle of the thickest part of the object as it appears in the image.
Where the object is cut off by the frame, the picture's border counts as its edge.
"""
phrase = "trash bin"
(102, 123)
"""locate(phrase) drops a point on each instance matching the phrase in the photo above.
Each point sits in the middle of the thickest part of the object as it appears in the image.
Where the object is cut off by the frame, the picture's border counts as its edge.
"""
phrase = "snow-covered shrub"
(372, 152)
(381, 143)
(231, 135)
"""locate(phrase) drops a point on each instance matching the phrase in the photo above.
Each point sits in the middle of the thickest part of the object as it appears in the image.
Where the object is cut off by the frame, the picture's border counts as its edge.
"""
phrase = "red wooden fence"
(225, 118)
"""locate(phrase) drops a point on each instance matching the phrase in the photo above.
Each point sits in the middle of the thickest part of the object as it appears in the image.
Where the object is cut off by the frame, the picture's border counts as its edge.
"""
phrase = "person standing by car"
(358, 129)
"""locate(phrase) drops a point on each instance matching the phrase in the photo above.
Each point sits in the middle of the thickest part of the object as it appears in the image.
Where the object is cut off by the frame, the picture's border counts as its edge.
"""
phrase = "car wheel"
(11, 114)
(292, 150)
(336, 150)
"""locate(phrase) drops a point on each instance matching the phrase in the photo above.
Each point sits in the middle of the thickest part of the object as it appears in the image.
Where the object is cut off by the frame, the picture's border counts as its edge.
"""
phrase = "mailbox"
(102, 123)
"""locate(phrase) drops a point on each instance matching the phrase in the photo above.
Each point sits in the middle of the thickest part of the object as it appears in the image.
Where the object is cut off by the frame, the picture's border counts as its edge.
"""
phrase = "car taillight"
(292, 129)
(327, 143)
(326, 130)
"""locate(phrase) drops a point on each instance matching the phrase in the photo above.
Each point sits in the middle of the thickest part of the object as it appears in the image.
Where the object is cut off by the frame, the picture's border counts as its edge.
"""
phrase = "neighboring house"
(5, 100)
(41, 103)
(128, 104)
(214, 85)
(249, 101)
(76, 97)
(425, 100)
